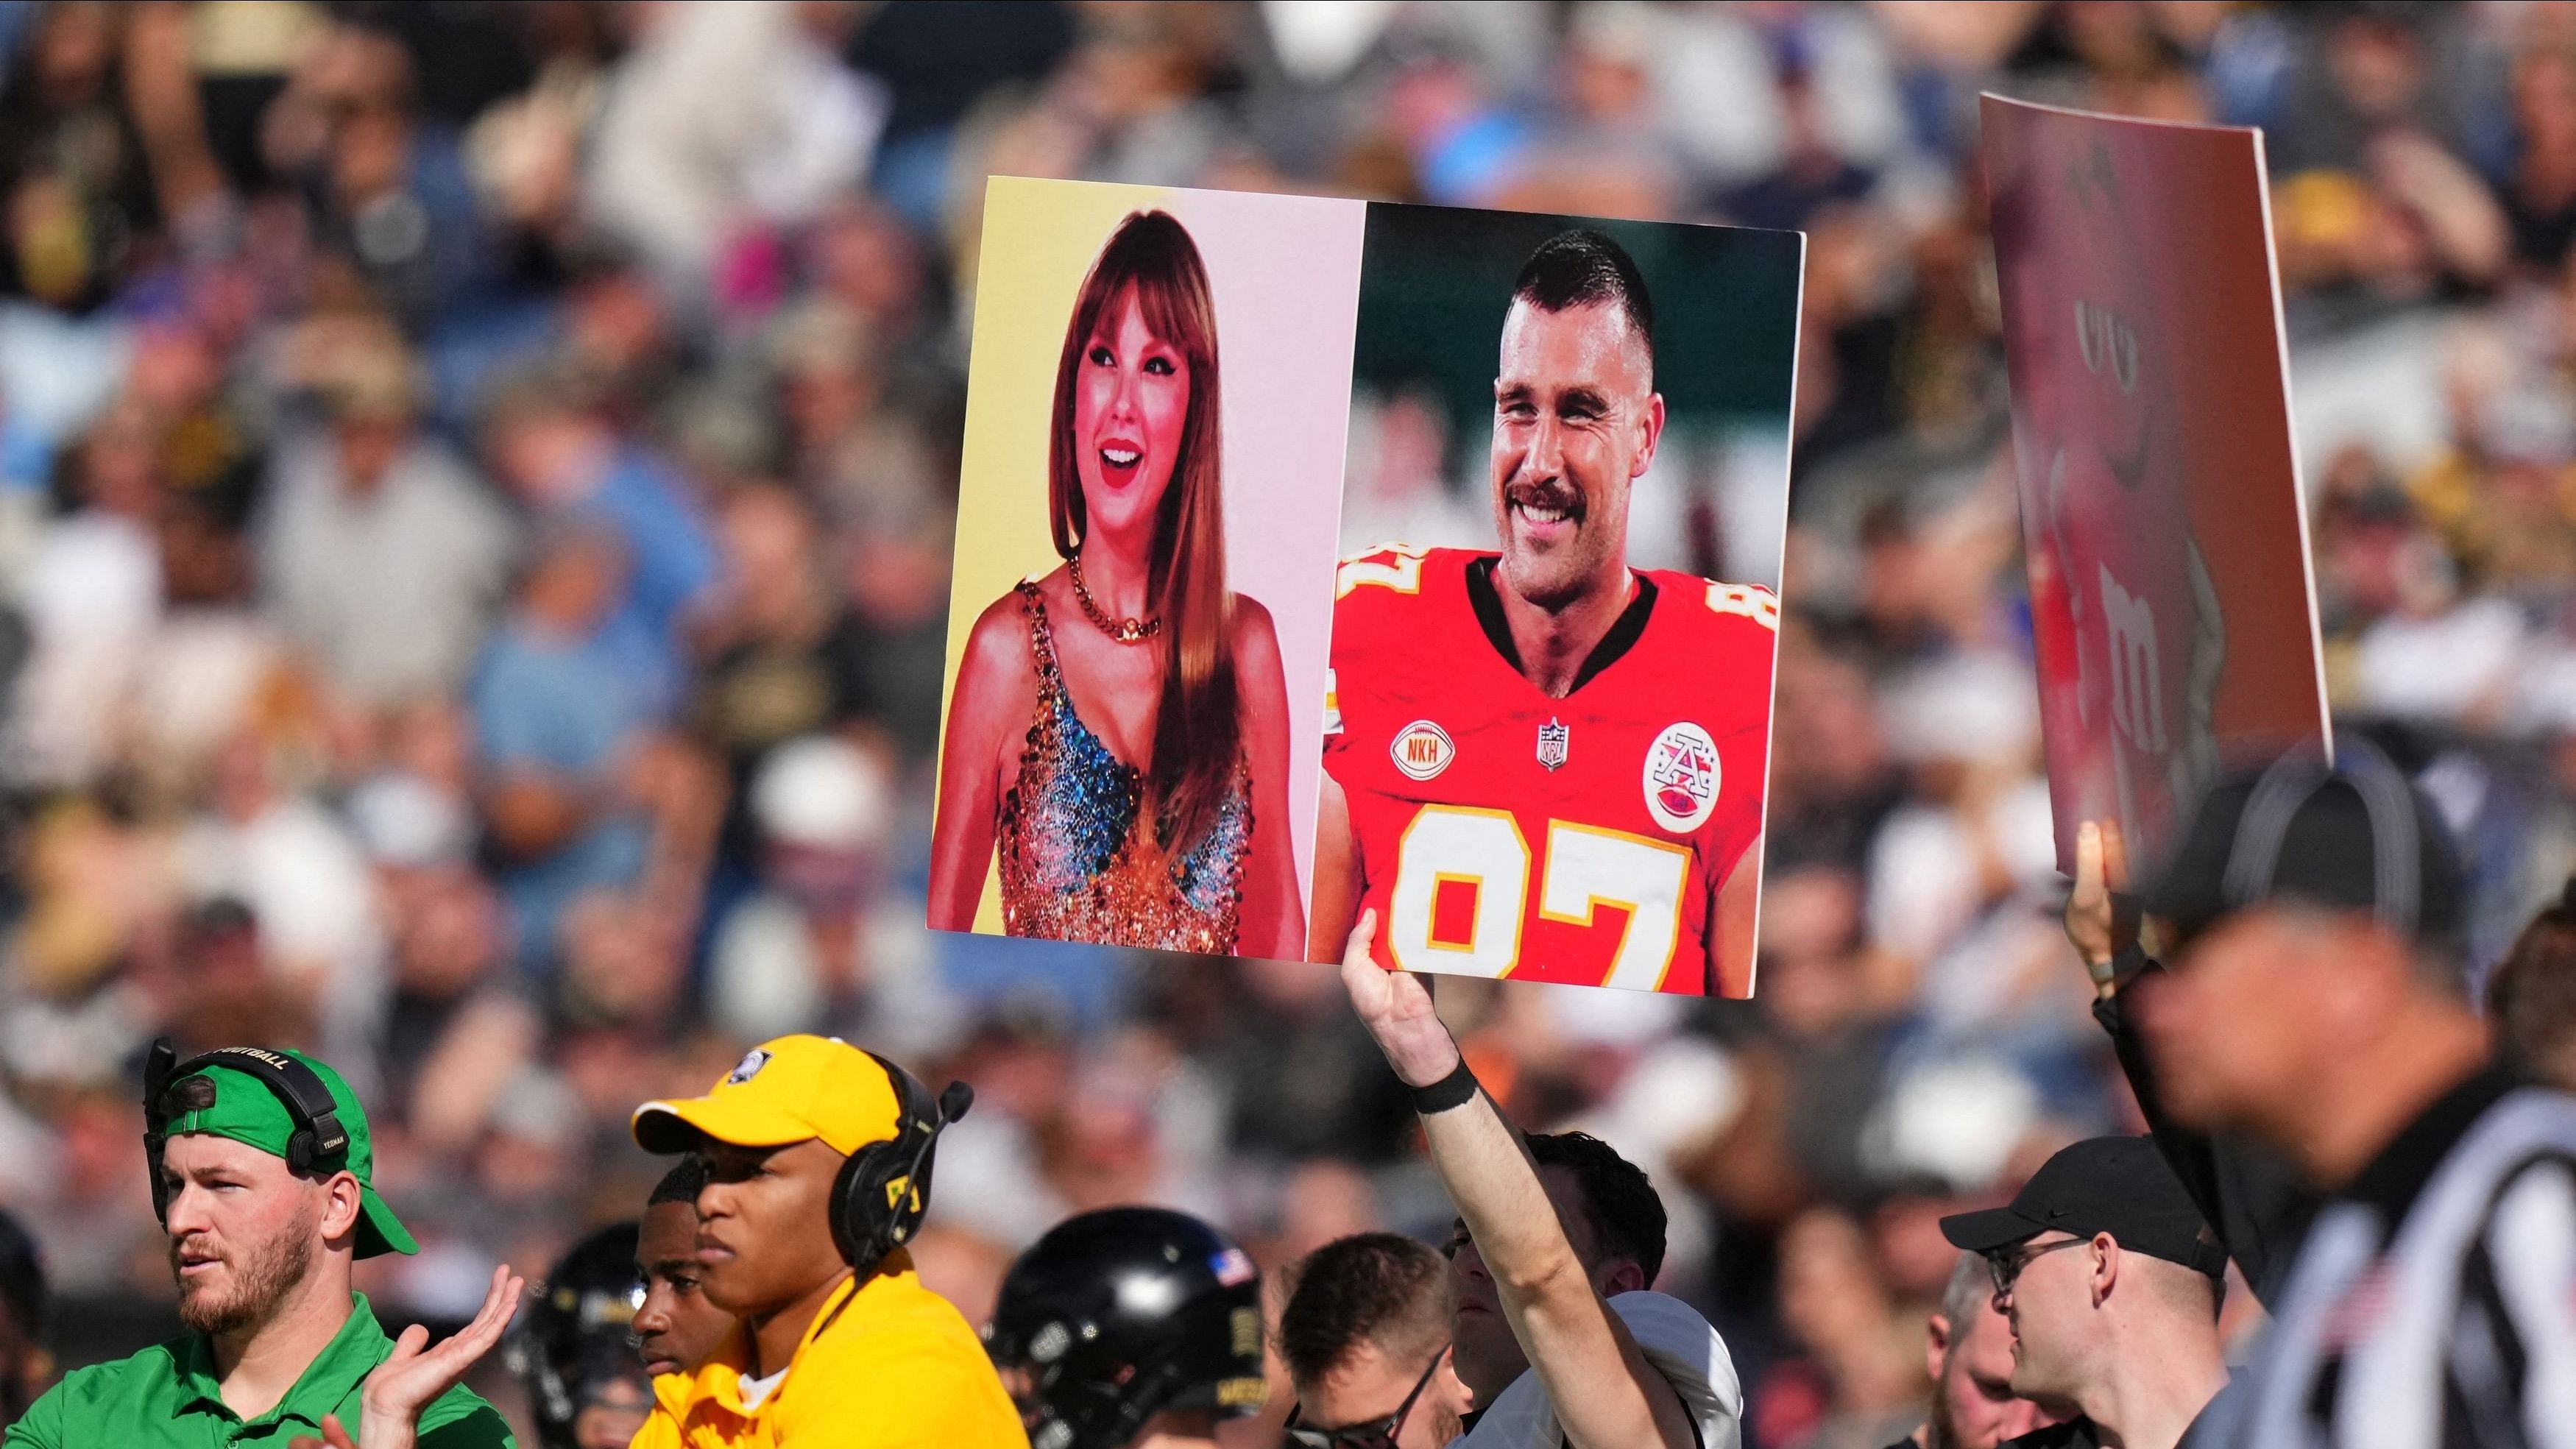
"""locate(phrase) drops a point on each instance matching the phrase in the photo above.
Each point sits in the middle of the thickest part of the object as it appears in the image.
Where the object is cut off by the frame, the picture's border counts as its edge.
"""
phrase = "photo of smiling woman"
(1118, 731)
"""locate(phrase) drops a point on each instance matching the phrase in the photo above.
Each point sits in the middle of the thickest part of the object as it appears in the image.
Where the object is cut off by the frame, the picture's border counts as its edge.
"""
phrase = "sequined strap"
(1041, 640)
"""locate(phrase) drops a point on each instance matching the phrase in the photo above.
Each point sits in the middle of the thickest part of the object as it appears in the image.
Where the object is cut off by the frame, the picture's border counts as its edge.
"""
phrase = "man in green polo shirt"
(280, 1347)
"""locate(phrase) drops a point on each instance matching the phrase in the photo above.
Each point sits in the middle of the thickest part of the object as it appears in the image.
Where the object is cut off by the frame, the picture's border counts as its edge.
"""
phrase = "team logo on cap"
(1422, 749)
(748, 1068)
(1681, 777)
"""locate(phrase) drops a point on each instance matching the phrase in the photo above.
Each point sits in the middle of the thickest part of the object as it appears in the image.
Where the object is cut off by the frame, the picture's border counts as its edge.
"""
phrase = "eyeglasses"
(2005, 1264)
(1376, 1434)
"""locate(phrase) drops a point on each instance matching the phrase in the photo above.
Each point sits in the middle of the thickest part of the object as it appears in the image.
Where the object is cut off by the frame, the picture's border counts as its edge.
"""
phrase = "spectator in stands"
(385, 556)
(1968, 1349)
(2112, 1289)
(559, 708)
(554, 448)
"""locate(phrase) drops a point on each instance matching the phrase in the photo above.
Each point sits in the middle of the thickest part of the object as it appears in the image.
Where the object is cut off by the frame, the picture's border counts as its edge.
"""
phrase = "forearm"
(1337, 885)
(1730, 926)
(961, 851)
(1274, 915)
(1497, 1192)
(961, 836)
(1604, 1391)
(1606, 1394)
(1284, 916)
(2256, 1208)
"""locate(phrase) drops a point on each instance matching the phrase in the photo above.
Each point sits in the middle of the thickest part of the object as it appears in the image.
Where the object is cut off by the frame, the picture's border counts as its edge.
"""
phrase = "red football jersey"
(1499, 832)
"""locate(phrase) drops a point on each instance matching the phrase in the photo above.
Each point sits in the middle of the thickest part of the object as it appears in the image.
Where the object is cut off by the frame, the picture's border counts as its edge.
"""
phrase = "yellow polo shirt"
(887, 1364)
(670, 1405)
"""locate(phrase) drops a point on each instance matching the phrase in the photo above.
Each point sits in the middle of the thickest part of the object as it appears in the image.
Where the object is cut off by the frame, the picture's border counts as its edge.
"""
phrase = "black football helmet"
(576, 1336)
(1118, 1315)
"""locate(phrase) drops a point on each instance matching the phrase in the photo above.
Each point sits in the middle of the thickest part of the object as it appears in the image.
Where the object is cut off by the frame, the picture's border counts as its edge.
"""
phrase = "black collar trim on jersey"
(1624, 633)
(2397, 1176)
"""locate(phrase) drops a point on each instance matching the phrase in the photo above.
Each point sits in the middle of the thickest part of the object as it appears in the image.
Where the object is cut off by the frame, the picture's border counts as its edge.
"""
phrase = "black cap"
(2356, 837)
(2115, 1185)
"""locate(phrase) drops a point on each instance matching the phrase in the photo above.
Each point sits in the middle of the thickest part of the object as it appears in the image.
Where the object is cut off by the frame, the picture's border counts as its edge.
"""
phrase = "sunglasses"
(2004, 1265)
(1377, 1433)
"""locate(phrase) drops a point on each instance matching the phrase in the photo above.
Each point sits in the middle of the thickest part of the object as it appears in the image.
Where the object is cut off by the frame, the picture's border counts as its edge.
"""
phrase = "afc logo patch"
(1681, 778)
(748, 1068)
(1422, 749)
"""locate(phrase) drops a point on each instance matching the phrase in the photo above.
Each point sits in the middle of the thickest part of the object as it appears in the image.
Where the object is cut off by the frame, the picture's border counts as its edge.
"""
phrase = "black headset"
(318, 1136)
(883, 1190)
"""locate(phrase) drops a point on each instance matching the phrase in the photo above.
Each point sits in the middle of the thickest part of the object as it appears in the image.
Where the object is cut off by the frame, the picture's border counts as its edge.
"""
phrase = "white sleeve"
(1676, 1340)
(1687, 1351)
(2533, 1228)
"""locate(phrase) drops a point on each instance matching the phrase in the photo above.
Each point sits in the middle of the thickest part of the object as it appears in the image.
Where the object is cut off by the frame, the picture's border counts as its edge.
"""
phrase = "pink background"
(1286, 271)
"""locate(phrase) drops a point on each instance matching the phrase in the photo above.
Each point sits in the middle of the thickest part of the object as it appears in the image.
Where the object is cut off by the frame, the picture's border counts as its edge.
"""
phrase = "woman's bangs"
(1160, 303)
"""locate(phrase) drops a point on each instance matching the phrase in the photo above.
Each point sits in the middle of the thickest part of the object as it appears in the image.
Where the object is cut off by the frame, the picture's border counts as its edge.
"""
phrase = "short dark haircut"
(2531, 996)
(1582, 268)
(22, 1279)
(682, 1183)
(1377, 1288)
(1619, 1202)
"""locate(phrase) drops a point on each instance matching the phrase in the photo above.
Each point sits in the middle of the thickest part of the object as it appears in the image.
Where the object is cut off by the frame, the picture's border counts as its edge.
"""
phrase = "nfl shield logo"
(1552, 738)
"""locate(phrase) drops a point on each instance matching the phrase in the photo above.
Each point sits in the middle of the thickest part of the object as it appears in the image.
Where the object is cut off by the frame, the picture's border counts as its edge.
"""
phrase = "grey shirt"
(389, 590)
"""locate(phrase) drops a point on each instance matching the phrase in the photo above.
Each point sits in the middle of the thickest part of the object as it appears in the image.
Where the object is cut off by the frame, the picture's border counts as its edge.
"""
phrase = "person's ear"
(1622, 1275)
(1451, 1386)
(2105, 1253)
(1654, 421)
(343, 1204)
(1936, 1345)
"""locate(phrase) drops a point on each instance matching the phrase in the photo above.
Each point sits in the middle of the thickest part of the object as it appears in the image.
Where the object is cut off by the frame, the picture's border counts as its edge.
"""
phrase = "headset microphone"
(883, 1190)
(953, 1104)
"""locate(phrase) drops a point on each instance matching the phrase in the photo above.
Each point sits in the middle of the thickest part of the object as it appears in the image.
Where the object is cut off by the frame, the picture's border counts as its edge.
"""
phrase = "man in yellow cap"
(818, 1163)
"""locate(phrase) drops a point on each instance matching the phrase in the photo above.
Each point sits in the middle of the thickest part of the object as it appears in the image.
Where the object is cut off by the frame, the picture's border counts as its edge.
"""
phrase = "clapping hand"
(414, 1375)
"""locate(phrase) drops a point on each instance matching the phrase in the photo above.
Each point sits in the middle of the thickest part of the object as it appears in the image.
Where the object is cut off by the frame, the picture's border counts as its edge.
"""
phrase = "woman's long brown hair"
(1196, 731)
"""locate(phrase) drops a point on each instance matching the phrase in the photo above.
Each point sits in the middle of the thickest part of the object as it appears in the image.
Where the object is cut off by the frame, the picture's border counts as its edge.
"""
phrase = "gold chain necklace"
(1125, 631)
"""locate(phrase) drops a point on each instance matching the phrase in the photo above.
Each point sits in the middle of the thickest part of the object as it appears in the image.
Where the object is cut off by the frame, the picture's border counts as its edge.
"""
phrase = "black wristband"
(2133, 959)
(1454, 1090)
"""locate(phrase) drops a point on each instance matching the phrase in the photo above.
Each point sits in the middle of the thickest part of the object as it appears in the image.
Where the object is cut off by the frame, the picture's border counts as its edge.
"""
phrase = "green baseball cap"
(246, 1111)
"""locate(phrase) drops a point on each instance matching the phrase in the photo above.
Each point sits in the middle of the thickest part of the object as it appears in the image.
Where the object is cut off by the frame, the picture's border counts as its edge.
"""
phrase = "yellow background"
(1039, 239)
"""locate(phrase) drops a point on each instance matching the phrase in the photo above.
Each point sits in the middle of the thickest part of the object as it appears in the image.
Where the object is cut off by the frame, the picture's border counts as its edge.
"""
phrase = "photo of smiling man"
(1546, 761)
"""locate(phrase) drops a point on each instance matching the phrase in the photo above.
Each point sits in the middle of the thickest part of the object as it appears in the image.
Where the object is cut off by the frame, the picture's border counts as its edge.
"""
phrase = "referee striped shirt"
(2433, 1304)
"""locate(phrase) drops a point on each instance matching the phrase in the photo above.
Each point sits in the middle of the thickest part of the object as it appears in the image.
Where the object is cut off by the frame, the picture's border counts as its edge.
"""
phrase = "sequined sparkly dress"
(1078, 863)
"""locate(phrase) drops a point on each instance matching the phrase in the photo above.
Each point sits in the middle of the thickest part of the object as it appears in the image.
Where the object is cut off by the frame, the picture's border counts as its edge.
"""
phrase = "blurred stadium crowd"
(475, 490)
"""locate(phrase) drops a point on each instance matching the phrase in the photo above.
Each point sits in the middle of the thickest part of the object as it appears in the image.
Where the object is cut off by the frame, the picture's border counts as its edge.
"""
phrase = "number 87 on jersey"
(1609, 837)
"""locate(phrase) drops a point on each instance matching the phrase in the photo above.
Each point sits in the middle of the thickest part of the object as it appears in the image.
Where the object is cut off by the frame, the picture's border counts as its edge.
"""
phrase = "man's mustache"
(200, 1250)
(1546, 493)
